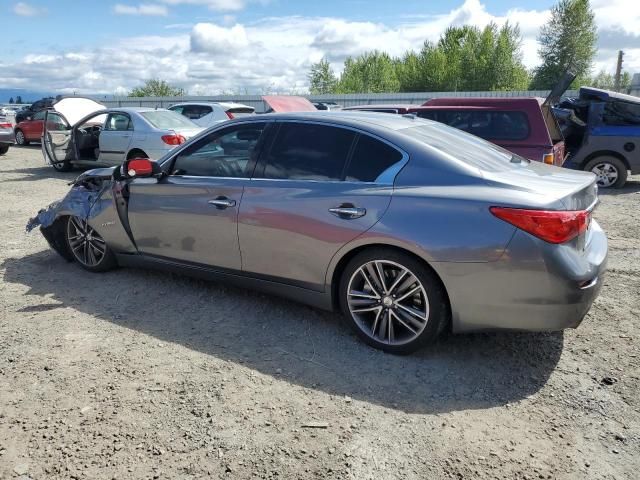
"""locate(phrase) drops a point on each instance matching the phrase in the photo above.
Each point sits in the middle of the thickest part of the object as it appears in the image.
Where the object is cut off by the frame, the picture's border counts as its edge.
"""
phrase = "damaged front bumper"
(85, 200)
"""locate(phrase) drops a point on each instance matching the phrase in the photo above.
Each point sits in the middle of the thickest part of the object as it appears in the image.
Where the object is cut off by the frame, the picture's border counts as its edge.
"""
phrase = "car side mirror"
(140, 168)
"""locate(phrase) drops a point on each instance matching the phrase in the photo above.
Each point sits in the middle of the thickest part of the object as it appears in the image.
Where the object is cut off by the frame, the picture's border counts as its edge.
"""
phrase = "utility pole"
(618, 71)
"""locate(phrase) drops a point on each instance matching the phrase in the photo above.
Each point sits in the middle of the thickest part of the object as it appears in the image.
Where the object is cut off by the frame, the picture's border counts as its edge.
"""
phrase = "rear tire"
(20, 138)
(87, 247)
(4, 149)
(611, 171)
(401, 314)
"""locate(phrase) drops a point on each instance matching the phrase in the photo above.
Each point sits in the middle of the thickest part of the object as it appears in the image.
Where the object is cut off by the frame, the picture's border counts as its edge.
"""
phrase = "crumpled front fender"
(84, 200)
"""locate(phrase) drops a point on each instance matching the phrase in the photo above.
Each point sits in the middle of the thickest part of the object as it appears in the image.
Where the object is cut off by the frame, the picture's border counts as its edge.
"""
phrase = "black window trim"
(387, 177)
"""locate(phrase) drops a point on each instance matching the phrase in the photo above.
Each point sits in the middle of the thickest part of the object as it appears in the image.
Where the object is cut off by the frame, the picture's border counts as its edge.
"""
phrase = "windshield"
(166, 120)
(465, 147)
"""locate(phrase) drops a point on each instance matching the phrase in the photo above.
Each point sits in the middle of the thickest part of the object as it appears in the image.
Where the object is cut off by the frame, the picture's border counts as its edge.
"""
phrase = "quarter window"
(227, 153)
(370, 158)
(305, 151)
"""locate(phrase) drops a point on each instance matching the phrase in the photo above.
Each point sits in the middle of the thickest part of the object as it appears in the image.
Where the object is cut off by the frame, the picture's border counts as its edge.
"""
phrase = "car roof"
(605, 95)
(347, 118)
(222, 104)
(484, 101)
(381, 105)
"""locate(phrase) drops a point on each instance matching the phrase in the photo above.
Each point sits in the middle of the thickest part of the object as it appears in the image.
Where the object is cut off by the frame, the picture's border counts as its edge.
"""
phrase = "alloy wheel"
(388, 302)
(607, 174)
(20, 137)
(86, 244)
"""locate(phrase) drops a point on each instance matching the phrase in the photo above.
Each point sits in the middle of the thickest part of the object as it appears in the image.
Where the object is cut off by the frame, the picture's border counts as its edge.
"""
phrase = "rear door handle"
(222, 202)
(348, 212)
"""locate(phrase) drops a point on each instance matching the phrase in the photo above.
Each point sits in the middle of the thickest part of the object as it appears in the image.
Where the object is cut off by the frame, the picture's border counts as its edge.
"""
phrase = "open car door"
(57, 145)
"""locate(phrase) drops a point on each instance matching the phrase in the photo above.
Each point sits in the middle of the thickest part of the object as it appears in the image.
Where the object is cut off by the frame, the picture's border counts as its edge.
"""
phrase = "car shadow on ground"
(295, 343)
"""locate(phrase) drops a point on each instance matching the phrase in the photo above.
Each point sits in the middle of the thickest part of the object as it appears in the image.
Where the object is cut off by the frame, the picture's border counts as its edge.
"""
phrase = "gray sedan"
(406, 226)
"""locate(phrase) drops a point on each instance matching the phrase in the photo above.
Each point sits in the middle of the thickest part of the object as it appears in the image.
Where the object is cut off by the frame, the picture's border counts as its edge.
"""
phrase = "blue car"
(602, 134)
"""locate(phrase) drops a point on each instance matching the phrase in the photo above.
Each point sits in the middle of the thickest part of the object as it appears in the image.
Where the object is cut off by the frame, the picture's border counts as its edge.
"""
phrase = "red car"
(30, 130)
(519, 125)
(516, 124)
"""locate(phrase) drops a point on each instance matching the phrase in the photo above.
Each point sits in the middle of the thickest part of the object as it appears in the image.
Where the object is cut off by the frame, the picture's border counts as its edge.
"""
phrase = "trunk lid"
(561, 188)
(288, 103)
(552, 99)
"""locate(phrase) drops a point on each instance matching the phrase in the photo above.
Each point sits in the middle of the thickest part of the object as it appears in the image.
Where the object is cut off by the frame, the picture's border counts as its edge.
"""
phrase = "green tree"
(607, 81)
(371, 72)
(568, 40)
(11, 100)
(18, 99)
(466, 58)
(156, 88)
(322, 79)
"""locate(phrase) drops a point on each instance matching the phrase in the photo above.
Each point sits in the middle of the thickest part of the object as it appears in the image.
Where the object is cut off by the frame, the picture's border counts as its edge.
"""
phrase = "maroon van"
(516, 124)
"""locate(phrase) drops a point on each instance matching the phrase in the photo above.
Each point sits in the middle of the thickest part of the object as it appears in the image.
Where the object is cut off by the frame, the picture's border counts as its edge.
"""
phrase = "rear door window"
(370, 159)
(306, 151)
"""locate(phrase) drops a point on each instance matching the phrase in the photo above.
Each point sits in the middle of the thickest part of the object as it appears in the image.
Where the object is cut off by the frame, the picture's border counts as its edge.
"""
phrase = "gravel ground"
(139, 374)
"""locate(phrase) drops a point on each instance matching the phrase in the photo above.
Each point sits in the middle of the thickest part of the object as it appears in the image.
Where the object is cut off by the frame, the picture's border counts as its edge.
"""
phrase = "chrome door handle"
(222, 202)
(348, 212)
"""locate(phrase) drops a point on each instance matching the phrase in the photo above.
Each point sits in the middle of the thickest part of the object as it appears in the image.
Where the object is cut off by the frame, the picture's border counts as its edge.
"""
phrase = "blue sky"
(250, 45)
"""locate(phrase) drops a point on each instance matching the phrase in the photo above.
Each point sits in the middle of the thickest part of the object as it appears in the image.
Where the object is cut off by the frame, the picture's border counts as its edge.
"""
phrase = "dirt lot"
(138, 374)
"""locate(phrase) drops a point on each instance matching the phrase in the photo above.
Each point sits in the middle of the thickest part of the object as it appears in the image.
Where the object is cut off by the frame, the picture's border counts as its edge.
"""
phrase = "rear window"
(166, 120)
(468, 149)
(490, 125)
(240, 111)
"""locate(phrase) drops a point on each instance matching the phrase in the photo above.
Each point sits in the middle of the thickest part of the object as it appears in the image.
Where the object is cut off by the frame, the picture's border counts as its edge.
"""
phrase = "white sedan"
(80, 131)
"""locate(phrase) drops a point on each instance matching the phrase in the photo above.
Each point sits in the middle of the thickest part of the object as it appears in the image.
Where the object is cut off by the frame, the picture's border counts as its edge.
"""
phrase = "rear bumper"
(7, 138)
(535, 286)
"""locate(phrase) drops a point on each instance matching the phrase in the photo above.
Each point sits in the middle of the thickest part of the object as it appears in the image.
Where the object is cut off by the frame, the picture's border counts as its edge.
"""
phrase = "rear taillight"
(553, 226)
(230, 115)
(174, 139)
(548, 158)
(5, 125)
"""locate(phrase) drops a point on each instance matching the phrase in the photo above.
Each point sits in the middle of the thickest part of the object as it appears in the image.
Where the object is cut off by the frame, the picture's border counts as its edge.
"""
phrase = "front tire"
(393, 301)
(87, 247)
(611, 171)
(20, 138)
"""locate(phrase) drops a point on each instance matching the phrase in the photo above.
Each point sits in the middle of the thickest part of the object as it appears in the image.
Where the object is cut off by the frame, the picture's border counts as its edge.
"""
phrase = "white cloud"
(25, 10)
(142, 9)
(208, 37)
(275, 53)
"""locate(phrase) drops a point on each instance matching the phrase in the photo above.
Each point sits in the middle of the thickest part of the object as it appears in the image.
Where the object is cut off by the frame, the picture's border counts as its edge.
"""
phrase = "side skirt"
(319, 300)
